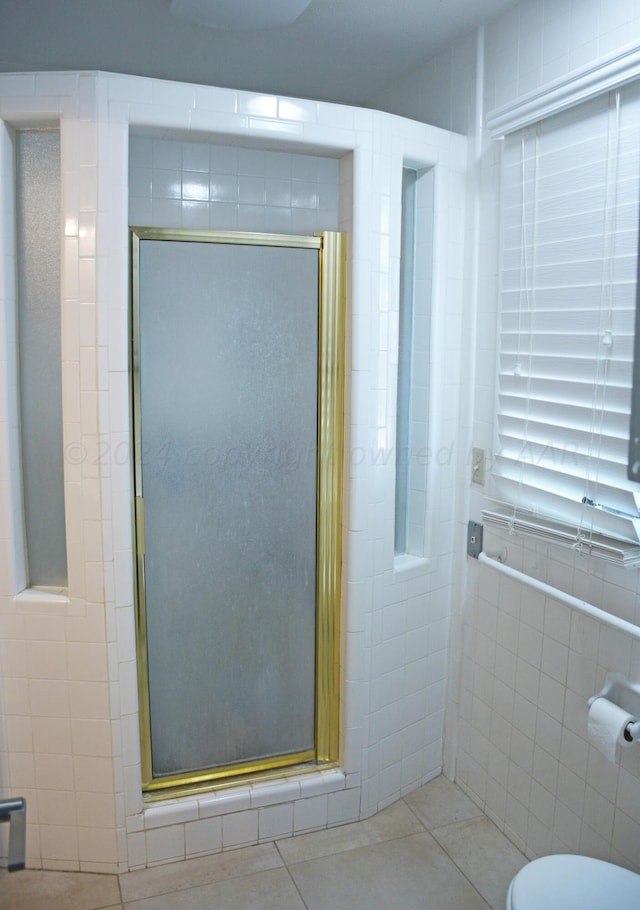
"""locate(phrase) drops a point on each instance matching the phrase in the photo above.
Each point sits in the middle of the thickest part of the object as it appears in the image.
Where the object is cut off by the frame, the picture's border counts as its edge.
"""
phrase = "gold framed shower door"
(330, 247)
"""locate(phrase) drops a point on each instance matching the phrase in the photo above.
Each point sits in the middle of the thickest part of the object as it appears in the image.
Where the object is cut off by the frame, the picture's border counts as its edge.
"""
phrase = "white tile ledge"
(237, 799)
(318, 783)
(407, 566)
(43, 598)
(177, 812)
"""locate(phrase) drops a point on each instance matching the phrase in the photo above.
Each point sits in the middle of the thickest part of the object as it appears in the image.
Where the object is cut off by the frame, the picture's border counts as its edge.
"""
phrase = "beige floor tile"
(412, 873)
(387, 861)
(271, 890)
(395, 821)
(35, 890)
(485, 856)
(196, 872)
(441, 802)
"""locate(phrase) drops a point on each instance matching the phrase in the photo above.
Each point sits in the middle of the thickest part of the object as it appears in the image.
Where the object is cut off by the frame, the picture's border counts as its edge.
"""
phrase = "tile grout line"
(351, 849)
(292, 879)
(431, 832)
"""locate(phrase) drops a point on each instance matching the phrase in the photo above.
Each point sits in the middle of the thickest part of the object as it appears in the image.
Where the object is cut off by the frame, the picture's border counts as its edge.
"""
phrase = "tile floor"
(433, 850)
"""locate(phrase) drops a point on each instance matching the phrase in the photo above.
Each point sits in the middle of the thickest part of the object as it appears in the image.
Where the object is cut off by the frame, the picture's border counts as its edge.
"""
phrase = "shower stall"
(167, 498)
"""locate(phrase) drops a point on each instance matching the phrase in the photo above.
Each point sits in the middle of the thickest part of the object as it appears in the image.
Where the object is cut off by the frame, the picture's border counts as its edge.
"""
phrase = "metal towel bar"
(608, 618)
(14, 811)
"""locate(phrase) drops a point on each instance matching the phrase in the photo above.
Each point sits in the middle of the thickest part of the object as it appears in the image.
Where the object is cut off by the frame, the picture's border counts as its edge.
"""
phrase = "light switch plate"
(477, 466)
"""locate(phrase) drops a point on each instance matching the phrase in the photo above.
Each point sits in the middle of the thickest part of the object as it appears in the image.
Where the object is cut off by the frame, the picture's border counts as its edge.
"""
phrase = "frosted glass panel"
(38, 217)
(405, 350)
(228, 392)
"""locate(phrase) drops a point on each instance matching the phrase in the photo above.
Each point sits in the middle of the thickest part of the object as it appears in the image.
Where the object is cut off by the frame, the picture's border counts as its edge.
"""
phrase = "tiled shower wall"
(215, 187)
(528, 665)
(69, 727)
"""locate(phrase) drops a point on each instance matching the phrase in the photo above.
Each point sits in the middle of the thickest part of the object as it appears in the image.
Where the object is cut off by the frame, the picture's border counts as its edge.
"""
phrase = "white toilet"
(568, 882)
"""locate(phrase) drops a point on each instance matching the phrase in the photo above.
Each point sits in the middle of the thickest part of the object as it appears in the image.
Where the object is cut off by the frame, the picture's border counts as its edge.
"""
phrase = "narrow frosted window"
(412, 420)
(405, 352)
(39, 353)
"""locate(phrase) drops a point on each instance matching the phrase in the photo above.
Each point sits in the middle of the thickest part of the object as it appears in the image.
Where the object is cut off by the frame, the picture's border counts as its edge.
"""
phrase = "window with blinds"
(570, 205)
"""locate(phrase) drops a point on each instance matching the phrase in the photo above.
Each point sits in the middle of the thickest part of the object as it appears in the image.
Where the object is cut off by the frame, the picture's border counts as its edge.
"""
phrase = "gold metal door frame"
(331, 248)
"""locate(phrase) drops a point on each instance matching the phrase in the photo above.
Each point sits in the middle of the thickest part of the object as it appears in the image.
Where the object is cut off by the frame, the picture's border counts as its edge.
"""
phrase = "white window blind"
(569, 253)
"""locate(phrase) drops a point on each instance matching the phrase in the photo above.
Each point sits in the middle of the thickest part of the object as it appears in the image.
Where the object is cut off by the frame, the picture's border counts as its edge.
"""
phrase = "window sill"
(41, 597)
(407, 566)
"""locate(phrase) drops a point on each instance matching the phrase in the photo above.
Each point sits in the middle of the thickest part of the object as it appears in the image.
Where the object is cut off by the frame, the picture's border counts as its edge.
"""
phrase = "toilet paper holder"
(626, 694)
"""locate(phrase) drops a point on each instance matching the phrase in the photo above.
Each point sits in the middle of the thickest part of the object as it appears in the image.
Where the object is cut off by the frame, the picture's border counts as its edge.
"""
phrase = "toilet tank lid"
(568, 882)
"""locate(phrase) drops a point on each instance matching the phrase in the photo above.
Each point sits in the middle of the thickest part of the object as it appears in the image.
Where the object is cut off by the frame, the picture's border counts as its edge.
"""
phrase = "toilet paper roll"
(607, 723)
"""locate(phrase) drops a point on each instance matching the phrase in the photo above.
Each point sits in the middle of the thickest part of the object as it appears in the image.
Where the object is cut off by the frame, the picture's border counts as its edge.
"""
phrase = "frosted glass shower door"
(226, 415)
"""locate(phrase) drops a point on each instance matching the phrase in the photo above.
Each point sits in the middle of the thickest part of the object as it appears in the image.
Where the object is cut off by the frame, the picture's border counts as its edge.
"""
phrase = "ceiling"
(346, 51)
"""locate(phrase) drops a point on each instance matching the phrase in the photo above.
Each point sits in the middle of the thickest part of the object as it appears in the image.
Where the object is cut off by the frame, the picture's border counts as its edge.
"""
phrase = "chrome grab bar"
(14, 811)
